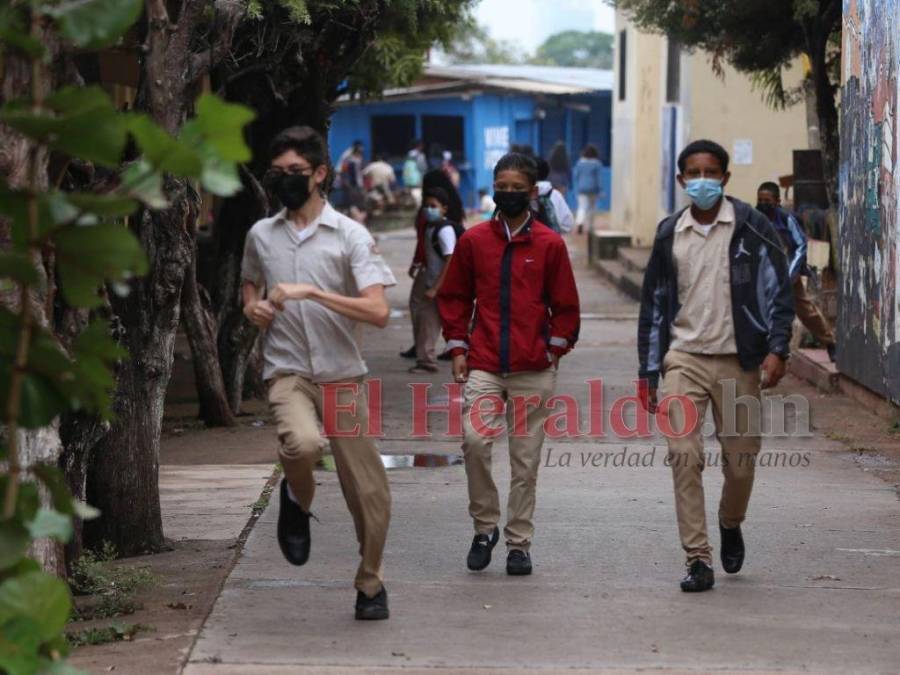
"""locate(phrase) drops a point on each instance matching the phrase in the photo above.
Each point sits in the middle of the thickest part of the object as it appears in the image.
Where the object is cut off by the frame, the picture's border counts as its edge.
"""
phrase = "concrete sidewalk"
(819, 592)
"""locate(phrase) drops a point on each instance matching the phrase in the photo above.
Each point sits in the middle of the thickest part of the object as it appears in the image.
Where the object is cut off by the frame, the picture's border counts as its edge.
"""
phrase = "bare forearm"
(366, 309)
(250, 293)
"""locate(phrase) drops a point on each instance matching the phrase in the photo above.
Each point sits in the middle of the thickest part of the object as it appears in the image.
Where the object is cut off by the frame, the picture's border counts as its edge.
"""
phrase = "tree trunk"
(200, 327)
(236, 335)
(79, 434)
(123, 479)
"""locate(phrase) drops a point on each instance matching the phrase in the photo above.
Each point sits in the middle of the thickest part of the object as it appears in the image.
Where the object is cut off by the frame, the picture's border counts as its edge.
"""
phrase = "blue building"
(477, 112)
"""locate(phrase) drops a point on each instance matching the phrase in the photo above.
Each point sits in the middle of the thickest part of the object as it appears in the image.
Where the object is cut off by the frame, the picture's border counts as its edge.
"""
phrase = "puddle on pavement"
(411, 461)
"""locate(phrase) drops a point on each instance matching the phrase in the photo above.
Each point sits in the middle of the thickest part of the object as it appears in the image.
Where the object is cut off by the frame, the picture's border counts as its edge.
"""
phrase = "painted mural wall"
(869, 301)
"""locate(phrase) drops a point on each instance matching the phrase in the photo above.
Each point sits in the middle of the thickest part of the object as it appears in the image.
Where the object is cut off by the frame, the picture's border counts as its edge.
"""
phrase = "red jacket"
(523, 294)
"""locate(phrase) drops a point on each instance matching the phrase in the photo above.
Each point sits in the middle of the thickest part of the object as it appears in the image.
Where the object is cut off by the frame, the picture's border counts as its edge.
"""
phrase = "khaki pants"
(298, 406)
(810, 315)
(525, 444)
(735, 397)
(416, 299)
(427, 329)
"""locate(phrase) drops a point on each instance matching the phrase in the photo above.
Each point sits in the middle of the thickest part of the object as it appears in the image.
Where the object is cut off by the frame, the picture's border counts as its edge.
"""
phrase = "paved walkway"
(820, 590)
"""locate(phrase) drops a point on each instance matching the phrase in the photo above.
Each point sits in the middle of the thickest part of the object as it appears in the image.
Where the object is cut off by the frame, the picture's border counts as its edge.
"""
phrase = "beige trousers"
(810, 315)
(525, 395)
(297, 404)
(416, 299)
(735, 397)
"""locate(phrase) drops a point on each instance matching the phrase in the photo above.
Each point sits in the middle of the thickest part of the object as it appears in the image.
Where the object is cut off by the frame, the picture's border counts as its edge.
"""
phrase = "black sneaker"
(409, 353)
(732, 552)
(293, 529)
(445, 356)
(372, 609)
(518, 563)
(480, 553)
(699, 578)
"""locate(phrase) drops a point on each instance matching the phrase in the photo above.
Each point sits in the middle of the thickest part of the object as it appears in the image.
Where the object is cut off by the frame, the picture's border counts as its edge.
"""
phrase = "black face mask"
(512, 204)
(767, 209)
(292, 189)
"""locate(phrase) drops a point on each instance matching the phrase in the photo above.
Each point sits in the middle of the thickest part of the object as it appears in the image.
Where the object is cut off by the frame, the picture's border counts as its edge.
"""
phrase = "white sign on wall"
(496, 144)
(743, 152)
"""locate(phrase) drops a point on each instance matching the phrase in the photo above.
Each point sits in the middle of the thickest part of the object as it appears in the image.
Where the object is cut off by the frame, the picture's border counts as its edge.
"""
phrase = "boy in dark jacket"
(715, 319)
(768, 202)
(514, 273)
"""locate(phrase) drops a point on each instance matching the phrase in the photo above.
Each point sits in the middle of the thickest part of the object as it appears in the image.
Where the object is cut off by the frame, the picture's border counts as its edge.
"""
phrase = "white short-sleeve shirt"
(333, 253)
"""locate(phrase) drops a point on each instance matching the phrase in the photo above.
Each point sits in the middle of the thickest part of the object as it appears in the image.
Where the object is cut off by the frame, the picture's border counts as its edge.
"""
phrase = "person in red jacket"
(514, 274)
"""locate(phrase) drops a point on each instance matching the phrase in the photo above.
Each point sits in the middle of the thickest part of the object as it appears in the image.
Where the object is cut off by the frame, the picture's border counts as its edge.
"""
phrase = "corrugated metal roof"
(529, 79)
(582, 79)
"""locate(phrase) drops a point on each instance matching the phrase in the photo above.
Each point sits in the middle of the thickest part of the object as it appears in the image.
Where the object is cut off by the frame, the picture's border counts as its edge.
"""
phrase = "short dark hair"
(437, 193)
(770, 187)
(516, 161)
(704, 147)
(543, 168)
(590, 151)
(306, 142)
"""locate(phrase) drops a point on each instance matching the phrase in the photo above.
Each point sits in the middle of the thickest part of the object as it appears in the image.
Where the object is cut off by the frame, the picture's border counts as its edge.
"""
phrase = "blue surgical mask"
(433, 214)
(704, 192)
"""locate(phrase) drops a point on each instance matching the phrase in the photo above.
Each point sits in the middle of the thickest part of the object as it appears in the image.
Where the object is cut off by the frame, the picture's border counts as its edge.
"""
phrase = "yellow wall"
(729, 109)
(721, 109)
(636, 137)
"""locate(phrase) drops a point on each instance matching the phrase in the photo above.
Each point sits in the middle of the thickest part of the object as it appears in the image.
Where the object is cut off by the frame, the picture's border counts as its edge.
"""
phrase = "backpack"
(412, 177)
(546, 212)
(458, 230)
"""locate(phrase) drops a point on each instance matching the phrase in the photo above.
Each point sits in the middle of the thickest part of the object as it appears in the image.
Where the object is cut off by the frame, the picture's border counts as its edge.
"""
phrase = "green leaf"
(53, 524)
(40, 402)
(19, 267)
(163, 152)
(38, 596)
(55, 481)
(89, 256)
(142, 182)
(77, 121)
(85, 511)
(220, 178)
(222, 126)
(14, 33)
(95, 23)
(14, 543)
(23, 566)
(106, 206)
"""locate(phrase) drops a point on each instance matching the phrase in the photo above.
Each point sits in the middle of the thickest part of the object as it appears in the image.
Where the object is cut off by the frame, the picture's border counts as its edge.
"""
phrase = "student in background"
(439, 240)
(588, 183)
(560, 167)
(768, 201)
(552, 209)
(435, 178)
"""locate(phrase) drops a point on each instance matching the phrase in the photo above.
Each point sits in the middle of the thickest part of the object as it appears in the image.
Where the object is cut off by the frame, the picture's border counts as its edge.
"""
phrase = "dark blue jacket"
(761, 300)
(794, 239)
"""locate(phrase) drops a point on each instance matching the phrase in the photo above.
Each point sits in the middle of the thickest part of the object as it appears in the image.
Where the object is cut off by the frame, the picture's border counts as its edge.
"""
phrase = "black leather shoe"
(372, 609)
(480, 553)
(293, 529)
(445, 356)
(699, 578)
(732, 552)
(409, 353)
(518, 563)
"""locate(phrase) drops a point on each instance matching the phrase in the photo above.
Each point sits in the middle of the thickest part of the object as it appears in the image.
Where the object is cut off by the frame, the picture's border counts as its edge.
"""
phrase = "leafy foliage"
(576, 49)
(760, 37)
(473, 45)
(94, 250)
